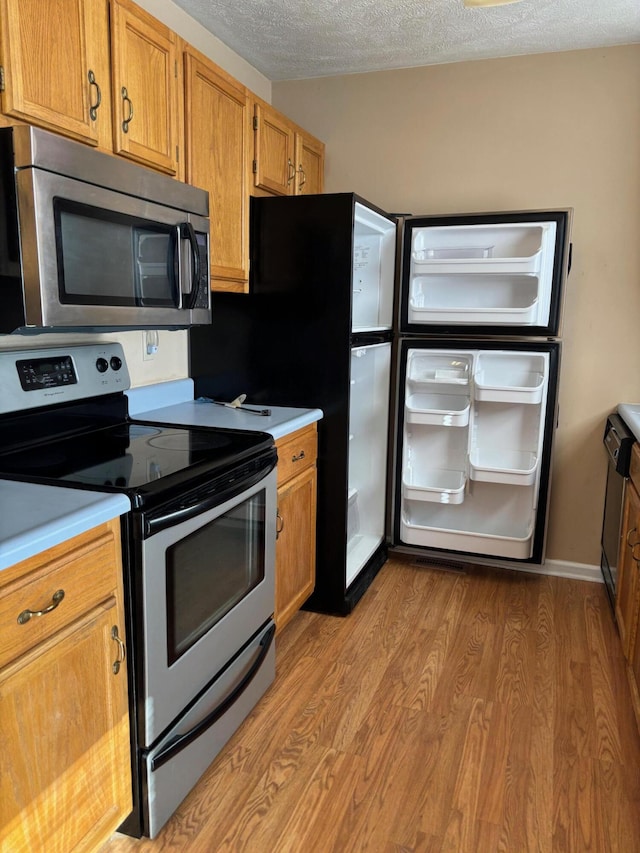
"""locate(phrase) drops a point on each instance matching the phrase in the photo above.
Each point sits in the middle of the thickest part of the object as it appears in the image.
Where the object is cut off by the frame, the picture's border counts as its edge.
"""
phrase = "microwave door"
(157, 269)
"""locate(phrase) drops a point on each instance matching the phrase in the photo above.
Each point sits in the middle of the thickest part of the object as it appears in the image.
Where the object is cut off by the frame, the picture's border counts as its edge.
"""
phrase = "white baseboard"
(564, 569)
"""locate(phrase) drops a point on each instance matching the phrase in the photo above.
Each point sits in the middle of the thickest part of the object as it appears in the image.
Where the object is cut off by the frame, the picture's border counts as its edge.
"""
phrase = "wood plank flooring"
(471, 713)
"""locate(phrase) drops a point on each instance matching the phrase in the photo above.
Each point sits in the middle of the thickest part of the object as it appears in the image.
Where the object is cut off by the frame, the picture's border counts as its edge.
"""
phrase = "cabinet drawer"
(87, 575)
(296, 452)
(634, 467)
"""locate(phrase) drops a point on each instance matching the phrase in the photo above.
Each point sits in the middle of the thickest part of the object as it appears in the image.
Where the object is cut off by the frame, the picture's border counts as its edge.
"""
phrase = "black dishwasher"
(618, 441)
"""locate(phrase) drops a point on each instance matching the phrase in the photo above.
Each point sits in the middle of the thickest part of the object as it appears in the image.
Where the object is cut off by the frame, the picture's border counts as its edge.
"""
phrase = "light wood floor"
(471, 713)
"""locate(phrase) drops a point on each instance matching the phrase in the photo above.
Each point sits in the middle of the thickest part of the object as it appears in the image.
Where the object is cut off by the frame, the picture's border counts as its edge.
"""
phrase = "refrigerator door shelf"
(518, 243)
(438, 409)
(526, 388)
(497, 300)
(442, 370)
(460, 529)
(503, 466)
(437, 485)
(500, 266)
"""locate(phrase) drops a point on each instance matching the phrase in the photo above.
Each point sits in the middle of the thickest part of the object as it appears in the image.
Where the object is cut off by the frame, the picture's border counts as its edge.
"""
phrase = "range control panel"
(45, 376)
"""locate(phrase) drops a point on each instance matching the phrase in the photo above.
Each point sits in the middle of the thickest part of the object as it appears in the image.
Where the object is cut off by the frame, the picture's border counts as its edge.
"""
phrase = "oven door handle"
(155, 523)
(180, 742)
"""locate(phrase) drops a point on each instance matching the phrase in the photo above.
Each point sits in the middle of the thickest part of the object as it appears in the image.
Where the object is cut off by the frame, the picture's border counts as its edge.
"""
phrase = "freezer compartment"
(368, 436)
(474, 298)
(483, 274)
(374, 245)
(507, 248)
(494, 520)
(510, 377)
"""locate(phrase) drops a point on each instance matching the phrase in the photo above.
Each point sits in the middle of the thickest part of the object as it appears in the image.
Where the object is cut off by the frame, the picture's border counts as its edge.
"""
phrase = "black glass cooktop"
(80, 448)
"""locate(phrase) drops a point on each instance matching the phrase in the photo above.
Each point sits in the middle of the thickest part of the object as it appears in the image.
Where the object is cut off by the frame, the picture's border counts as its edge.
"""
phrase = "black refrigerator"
(315, 331)
(432, 346)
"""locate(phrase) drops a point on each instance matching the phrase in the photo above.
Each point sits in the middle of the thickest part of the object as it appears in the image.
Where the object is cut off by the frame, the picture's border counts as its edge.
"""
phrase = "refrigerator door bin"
(438, 485)
(440, 369)
(438, 409)
(515, 467)
(449, 253)
(374, 245)
(493, 520)
(509, 377)
(472, 299)
(515, 247)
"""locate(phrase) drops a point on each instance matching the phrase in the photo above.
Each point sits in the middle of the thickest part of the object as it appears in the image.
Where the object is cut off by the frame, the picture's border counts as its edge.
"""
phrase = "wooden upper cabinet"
(218, 158)
(273, 165)
(55, 60)
(145, 87)
(309, 163)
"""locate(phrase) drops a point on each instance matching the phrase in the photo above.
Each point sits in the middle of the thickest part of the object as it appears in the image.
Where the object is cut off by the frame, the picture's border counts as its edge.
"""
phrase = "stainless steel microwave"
(90, 241)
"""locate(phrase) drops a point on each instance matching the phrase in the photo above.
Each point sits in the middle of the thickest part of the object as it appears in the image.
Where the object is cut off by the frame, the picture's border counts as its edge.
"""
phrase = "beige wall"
(552, 130)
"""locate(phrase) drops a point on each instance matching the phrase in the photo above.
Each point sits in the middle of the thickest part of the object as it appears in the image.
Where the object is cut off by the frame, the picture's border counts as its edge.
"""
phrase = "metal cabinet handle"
(633, 551)
(56, 598)
(279, 524)
(292, 171)
(93, 108)
(122, 652)
(298, 457)
(304, 177)
(126, 100)
(633, 530)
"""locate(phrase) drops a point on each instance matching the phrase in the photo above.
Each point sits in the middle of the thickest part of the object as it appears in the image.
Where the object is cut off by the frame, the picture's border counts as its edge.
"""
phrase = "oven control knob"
(116, 363)
(102, 365)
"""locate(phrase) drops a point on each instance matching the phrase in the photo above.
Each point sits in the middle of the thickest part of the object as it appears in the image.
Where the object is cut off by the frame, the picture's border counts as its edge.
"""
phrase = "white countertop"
(282, 420)
(34, 518)
(173, 403)
(630, 414)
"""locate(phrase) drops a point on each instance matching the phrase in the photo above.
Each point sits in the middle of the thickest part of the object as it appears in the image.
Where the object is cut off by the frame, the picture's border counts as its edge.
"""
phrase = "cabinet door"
(309, 163)
(273, 164)
(218, 139)
(65, 775)
(55, 57)
(295, 545)
(145, 88)
(626, 586)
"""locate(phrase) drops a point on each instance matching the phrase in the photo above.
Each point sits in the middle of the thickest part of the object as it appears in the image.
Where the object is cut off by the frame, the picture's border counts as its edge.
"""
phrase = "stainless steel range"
(198, 548)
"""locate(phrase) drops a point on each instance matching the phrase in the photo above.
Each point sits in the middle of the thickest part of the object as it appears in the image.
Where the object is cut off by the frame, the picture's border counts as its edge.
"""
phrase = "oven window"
(211, 570)
(109, 258)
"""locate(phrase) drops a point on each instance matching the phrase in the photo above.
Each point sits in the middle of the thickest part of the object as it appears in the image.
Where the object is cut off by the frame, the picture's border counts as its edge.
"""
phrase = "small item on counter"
(236, 404)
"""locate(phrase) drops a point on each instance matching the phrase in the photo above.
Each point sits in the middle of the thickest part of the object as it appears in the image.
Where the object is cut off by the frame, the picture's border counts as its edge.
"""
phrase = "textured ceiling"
(288, 40)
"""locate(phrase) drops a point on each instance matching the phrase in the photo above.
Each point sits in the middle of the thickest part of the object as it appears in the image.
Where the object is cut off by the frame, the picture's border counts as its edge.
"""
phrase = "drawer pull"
(122, 652)
(298, 457)
(633, 530)
(57, 597)
(279, 524)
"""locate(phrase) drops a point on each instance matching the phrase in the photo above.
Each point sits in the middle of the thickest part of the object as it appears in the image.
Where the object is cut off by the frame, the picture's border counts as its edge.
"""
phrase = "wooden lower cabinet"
(628, 580)
(296, 523)
(65, 773)
(626, 583)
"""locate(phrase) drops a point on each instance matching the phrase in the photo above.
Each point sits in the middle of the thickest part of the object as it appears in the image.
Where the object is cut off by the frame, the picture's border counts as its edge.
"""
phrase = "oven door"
(208, 565)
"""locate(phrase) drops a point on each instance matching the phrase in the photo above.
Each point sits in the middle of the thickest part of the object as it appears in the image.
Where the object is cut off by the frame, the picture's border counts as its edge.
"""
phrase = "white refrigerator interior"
(472, 443)
(374, 246)
(482, 274)
(368, 430)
